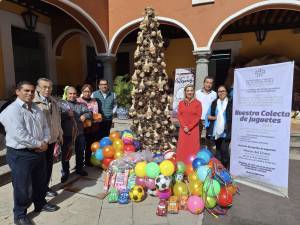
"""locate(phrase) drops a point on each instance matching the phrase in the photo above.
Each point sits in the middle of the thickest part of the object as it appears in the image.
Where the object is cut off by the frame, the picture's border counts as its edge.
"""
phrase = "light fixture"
(260, 35)
(30, 19)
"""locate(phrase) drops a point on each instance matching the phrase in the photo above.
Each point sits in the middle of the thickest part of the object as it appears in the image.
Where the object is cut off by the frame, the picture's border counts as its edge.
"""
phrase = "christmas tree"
(150, 108)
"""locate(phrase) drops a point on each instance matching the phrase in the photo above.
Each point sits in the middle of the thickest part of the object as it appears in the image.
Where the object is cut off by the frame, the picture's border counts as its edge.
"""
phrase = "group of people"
(36, 124)
(204, 109)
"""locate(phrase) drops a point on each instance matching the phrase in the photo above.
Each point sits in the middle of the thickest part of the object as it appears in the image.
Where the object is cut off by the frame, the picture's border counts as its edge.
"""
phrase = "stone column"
(202, 60)
(109, 67)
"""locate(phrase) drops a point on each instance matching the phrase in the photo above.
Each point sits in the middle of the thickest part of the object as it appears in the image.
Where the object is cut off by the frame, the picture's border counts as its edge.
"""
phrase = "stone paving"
(81, 204)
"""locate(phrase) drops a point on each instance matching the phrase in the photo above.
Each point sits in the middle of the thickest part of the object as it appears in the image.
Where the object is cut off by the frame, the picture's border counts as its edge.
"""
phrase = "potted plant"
(122, 88)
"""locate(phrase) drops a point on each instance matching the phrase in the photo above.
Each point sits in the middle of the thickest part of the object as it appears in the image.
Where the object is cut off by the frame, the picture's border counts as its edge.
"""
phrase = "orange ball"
(114, 135)
(108, 151)
(189, 169)
(97, 117)
(95, 146)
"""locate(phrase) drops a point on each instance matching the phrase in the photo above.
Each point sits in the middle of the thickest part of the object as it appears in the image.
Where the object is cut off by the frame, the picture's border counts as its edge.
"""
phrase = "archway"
(265, 33)
(179, 46)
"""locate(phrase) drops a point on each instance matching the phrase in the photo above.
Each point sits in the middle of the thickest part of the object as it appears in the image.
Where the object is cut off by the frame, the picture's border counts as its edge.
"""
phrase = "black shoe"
(23, 221)
(51, 193)
(64, 178)
(81, 172)
(48, 208)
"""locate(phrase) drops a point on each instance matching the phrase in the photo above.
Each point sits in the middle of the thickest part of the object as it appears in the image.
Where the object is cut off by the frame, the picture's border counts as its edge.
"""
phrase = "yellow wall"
(179, 55)
(280, 42)
(2, 78)
(69, 67)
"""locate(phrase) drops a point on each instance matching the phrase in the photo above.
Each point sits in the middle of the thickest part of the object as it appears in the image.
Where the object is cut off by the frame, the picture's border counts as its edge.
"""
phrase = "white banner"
(261, 123)
(183, 77)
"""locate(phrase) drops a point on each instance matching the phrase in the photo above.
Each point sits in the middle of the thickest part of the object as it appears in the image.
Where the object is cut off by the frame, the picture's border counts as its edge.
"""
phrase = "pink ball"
(150, 183)
(127, 141)
(195, 204)
(140, 181)
(166, 194)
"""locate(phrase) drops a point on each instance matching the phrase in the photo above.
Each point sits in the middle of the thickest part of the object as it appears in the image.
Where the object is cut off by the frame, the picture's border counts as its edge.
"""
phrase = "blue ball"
(196, 163)
(105, 142)
(204, 157)
(99, 154)
(203, 172)
(225, 176)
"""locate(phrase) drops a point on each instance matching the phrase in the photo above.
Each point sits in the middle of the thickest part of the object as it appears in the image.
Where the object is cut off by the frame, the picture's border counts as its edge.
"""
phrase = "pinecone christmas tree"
(150, 108)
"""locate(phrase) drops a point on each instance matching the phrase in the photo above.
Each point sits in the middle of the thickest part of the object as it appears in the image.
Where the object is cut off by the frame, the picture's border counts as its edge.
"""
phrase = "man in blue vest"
(109, 105)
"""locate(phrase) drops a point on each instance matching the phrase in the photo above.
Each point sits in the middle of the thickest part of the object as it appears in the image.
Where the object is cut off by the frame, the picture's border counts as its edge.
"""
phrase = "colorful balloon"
(189, 169)
(118, 154)
(224, 198)
(211, 187)
(150, 183)
(95, 146)
(137, 145)
(104, 142)
(114, 135)
(99, 154)
(225, 176)
(140, 181)
(204, 157)
(195, 204)
(195, 188)
(152, 170)
(180, 189)
(118, 145)
(94, 161)
(140, 169)
(210, 202)
(167, 168)
(108, 151)
(106, 162)
(197, 163)
(128, 149)
(203, 172)
(193, 177)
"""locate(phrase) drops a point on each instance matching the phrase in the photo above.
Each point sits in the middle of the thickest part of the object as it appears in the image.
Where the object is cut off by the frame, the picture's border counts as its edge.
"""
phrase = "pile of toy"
(204, 184)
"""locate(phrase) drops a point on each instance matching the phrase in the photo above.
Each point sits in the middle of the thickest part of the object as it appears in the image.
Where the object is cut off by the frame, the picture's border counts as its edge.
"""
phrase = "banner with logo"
(183, 77)
(261, 124)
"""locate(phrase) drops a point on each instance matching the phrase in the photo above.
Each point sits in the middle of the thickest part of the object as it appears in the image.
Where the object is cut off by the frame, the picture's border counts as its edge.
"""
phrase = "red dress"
(189, 114)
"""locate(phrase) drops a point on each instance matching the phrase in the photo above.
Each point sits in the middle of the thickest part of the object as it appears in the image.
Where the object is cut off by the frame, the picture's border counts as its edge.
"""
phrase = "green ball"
(180, 167)
(152, 170)
(211, 188)
(94, 161)
(210, 202)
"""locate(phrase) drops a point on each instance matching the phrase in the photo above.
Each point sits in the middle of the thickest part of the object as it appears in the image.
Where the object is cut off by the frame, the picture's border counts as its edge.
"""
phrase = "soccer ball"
(162, 182)
(137, 193)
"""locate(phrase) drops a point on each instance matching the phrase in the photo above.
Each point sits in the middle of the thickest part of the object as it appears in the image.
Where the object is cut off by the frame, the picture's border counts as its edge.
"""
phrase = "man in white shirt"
(206, 96)
(27, 137)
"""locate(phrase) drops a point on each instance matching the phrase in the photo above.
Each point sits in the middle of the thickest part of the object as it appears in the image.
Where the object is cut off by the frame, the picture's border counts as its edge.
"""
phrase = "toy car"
(124, 197)
(173, 205)
(161, 209)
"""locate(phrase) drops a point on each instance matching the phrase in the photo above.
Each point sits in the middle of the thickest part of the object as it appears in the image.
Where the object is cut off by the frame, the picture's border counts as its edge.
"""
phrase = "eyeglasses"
(103, 84)
(221, 91)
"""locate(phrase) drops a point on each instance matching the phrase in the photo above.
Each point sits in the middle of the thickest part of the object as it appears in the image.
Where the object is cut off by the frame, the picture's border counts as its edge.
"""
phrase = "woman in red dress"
(189, 115)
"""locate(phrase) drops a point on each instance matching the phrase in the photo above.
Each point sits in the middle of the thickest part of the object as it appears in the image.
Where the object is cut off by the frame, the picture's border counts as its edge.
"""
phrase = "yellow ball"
(137, 193)
(118, 154)
(193, 177)
(167, 168)
(195, 187)
(118, 145)
(180, 189)
(140, 169)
